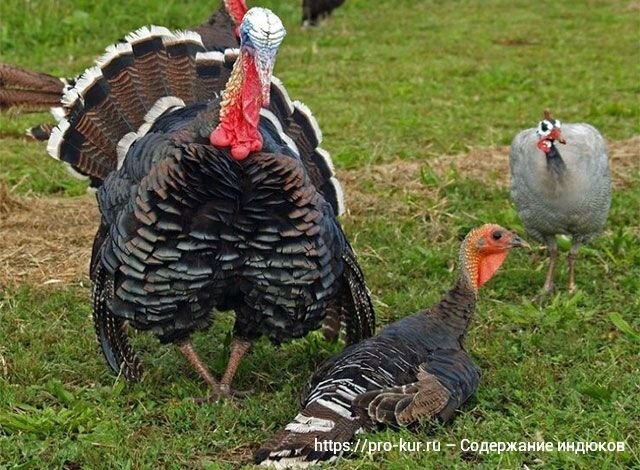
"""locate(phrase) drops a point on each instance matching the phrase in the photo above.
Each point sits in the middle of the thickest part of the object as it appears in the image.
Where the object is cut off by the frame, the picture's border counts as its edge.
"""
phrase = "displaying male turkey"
(209, 204)
(556, 193)
(315, 11)
(416, 368)
(36, 91)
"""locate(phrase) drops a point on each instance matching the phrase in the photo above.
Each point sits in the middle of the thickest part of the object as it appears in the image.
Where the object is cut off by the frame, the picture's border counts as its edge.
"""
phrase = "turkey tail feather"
(301, 127)
(304, 441)
(133, 84)
(111, 332)
(360, 317)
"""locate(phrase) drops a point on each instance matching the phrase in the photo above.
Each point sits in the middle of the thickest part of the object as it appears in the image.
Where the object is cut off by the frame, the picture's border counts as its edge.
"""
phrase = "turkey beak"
(264, 63)
(517, 242)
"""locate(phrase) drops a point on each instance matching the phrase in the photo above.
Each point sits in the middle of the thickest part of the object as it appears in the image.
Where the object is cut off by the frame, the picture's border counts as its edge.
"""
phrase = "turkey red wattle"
(248, 88)
(240, 115)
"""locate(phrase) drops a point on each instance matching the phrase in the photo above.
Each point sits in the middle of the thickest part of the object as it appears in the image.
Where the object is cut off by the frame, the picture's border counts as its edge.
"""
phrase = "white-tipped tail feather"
(55, 140)
(178, 37)
(112, 52)
(147, 32)
(265, 113)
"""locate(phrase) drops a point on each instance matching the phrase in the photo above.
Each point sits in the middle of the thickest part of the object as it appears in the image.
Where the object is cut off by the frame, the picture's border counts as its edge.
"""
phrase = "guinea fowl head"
(248, 88)
(484, 250)
(549, 131)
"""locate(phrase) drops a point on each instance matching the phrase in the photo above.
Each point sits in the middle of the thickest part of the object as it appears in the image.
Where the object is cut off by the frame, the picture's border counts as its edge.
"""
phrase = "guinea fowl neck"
(240, 110)
(555, 163)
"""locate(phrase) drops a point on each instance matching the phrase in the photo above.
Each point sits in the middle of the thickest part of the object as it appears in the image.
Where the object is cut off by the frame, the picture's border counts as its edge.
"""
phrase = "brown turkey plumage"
(562, 189)
(416, 368)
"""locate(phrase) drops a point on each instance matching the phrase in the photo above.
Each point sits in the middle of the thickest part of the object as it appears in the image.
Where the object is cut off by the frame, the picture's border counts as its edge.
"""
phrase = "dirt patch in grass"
(48, 240)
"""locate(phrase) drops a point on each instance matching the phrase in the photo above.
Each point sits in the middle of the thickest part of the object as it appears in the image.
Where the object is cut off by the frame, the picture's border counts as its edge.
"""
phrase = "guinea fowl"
(568, 193)
(210, 203)
(416, 368)
(315, 11)
(36, 91)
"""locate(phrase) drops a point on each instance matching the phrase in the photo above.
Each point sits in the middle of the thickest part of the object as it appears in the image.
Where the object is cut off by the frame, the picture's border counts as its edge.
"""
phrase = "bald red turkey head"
(484, 250)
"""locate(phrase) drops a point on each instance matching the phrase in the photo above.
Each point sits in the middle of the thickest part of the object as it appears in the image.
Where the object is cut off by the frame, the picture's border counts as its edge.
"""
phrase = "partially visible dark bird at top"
(209, 200)
(560, 192)
(416, 368)
(315, 11)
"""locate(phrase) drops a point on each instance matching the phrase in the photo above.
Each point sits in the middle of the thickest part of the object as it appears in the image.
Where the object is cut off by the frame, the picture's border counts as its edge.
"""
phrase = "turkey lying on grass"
(556, 192)
(208, 203)
(416, 368)
(36, 91)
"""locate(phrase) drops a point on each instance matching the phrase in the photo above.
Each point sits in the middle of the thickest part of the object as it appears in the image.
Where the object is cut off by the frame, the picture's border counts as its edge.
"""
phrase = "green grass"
(455, 75)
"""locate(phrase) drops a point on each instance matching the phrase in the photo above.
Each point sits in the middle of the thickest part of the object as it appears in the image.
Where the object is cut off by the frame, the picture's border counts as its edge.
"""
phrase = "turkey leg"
(549, 285)
(239, 348)
(218, 389)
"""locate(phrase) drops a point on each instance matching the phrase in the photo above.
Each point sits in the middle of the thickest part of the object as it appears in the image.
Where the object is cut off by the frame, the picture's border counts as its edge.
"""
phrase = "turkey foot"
(218, 389)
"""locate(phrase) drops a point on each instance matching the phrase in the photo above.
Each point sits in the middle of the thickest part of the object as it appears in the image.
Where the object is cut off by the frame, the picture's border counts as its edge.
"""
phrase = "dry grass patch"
(46, 241)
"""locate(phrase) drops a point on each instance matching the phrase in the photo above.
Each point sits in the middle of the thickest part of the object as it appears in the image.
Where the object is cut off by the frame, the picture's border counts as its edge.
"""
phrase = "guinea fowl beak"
(517, 242)
(556, 134)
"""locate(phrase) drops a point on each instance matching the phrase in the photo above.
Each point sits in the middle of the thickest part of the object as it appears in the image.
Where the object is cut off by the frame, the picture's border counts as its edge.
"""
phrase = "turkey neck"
(555, 163)
(236, 9)
(455, 311)
(241, 103)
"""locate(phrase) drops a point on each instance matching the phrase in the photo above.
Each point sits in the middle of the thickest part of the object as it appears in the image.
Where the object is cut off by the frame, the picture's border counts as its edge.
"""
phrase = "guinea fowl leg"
(549, 284)
(571, 259)
(239, 348)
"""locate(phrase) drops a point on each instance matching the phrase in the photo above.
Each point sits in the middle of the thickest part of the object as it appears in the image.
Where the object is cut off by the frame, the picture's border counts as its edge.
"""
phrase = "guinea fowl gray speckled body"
(208, 203)
(416, 368)
(560, 190)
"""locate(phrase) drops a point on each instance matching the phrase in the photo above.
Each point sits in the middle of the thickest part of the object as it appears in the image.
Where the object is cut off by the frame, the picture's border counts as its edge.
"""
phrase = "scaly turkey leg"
(239, 348)
(186, 348)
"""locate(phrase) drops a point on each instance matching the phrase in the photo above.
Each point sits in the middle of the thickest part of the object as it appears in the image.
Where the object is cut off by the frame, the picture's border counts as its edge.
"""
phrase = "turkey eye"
(496, 235)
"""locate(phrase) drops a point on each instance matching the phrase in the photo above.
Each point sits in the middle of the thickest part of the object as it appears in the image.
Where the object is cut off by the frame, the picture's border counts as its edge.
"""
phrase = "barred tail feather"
(304, 441)
(41, 132)
(134, 83)
(111, 332)
(360, 315)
